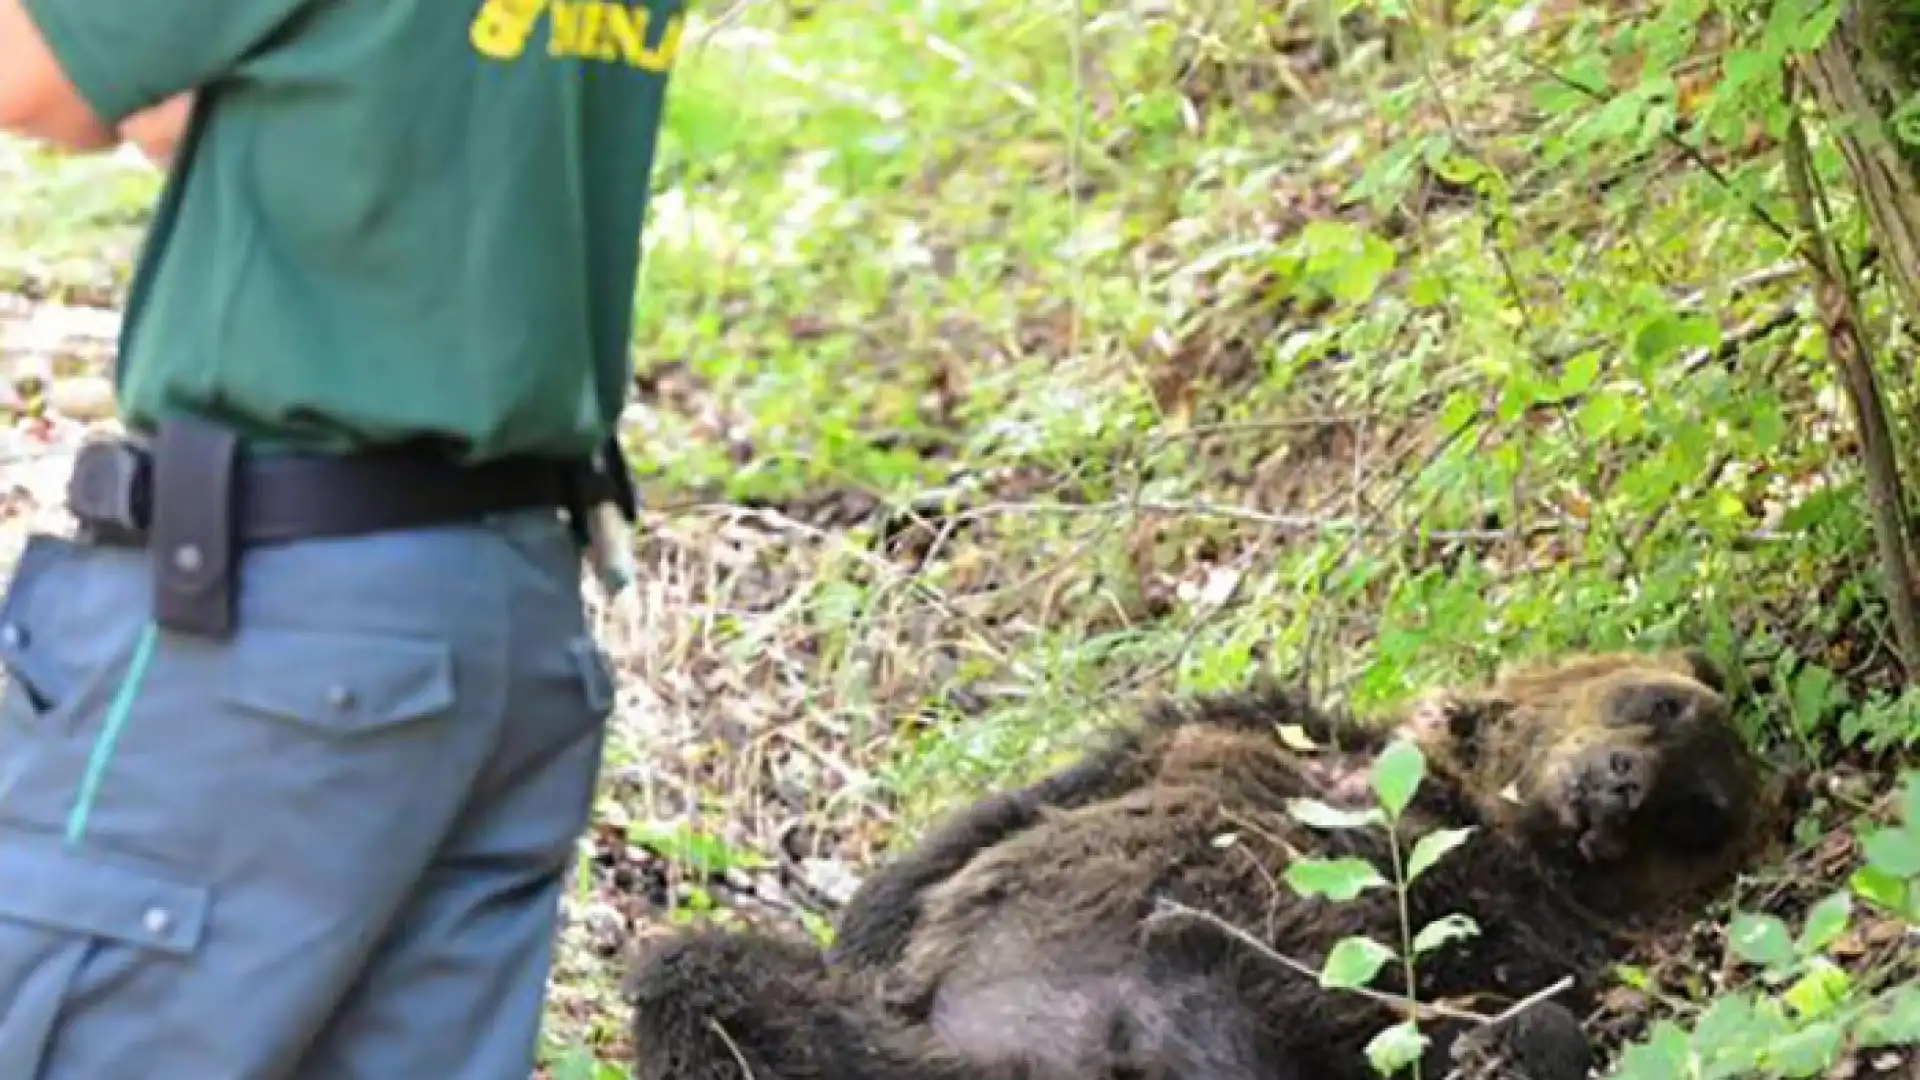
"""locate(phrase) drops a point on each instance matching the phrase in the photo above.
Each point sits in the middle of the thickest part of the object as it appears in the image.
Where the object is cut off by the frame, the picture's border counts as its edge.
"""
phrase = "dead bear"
(1019, 939)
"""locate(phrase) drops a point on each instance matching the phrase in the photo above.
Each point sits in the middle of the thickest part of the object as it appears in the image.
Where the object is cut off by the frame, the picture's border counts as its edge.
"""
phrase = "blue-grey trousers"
(330, 847)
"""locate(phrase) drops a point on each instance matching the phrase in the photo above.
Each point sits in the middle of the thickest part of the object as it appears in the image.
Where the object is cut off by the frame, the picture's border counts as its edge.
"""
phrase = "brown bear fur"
(1019, 939)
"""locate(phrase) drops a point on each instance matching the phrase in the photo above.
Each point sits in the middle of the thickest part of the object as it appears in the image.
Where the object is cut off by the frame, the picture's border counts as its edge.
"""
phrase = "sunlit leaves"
(1340, 879)
(1396, 775)
(1354, 962)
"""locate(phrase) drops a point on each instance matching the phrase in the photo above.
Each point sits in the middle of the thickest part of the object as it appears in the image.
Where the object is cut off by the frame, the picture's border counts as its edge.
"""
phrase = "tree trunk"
(1861, 76)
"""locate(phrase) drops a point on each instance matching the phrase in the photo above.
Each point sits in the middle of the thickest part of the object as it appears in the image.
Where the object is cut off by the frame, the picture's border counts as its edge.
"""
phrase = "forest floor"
(982, 398)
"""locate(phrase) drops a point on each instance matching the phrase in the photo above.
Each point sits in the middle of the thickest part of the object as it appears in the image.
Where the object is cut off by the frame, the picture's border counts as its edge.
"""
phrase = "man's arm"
(157, 131)
(73, 71)
(36, 97)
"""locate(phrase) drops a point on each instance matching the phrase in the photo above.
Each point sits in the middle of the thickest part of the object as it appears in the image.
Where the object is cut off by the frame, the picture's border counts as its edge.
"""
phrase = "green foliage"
(1396, 1047)
(1882, 723)
(1352, 961)
(703, 856)
(578, 1062)
(685, 846)
(1337, 879)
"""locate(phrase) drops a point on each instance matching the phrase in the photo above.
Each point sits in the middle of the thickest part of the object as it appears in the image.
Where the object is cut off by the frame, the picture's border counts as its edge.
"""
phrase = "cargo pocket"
(340, 684)
(343, 731)
(73, 921)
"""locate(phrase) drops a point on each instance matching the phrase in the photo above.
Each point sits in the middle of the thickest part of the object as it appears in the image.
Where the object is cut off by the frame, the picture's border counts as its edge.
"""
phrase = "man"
(302, 727)
(156, 131)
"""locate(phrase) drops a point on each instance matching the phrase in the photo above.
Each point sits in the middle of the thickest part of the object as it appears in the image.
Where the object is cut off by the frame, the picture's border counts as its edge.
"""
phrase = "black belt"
(194, 498)
(283, 499)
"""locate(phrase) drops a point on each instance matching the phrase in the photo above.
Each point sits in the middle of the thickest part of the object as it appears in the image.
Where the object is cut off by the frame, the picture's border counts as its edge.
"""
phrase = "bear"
(1028, 936)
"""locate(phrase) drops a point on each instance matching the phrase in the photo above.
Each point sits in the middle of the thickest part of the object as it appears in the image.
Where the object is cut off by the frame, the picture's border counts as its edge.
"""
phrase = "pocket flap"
(44, 680)
(339, 681)
(86, 891)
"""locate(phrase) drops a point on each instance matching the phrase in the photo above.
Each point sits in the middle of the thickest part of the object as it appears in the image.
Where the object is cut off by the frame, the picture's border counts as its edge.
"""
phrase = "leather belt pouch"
(193, 530)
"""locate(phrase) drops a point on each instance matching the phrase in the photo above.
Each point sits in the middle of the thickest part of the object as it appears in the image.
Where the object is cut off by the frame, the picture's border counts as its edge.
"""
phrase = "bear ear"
(1702, 667)
(1460, 721)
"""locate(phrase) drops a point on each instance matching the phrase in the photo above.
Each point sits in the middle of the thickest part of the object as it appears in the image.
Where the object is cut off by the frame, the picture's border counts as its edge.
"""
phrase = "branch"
(1291, 524)
(1839, 309)
(1682, 146)
(1174, 911)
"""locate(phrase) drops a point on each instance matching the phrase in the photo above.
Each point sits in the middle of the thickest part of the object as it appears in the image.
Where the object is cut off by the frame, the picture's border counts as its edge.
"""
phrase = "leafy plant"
(1355, 962)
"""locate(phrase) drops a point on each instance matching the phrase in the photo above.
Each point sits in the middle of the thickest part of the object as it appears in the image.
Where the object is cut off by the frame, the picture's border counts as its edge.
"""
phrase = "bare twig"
(983, 638)
(1292, 524)
(1553, 990)
(1174, 911)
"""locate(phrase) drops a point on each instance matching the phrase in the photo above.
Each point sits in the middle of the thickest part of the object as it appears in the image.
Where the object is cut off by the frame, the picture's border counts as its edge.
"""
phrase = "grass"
(984, 393)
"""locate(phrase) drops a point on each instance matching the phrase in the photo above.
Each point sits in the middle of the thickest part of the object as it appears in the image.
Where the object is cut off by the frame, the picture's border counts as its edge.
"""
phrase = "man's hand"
(36, 98)
(157, 131)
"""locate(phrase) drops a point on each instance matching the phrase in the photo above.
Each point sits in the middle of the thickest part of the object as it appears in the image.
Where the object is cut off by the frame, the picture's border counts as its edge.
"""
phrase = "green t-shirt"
(390, 220)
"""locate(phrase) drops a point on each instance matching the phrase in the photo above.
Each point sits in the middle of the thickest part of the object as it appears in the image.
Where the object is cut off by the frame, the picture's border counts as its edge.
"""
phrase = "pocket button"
(157, 921)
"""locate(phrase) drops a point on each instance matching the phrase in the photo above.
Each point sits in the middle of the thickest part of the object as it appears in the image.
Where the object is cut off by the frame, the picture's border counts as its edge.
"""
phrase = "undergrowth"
(1371, 345)
(1372, 349)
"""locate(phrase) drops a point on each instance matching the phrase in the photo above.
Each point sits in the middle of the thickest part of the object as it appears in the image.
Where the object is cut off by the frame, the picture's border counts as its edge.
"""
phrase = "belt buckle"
(107, 490)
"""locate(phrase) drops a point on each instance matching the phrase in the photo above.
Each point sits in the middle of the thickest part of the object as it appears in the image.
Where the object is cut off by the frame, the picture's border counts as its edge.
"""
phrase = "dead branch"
(1289, 524)
(1174, 911)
